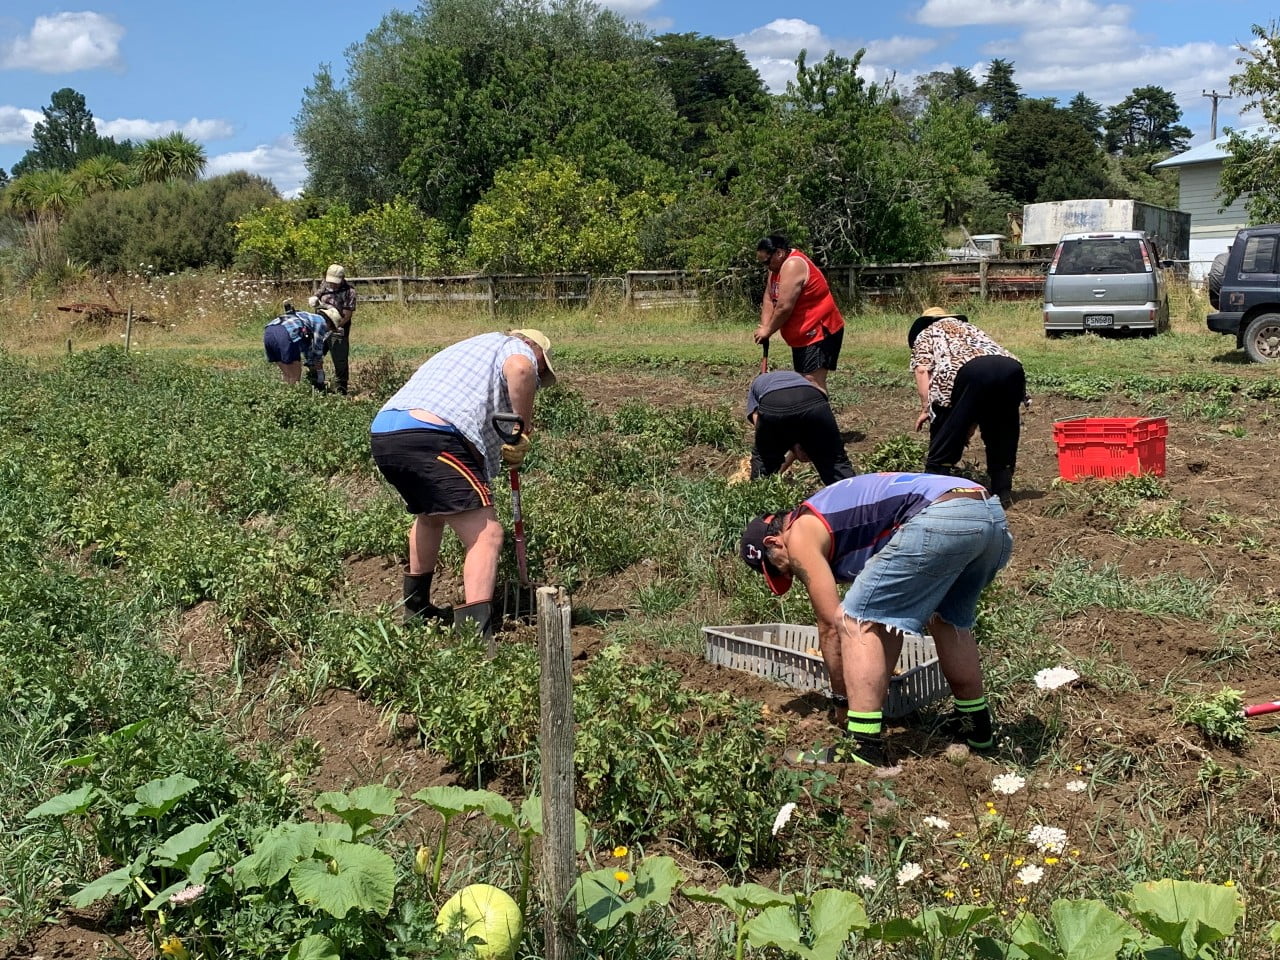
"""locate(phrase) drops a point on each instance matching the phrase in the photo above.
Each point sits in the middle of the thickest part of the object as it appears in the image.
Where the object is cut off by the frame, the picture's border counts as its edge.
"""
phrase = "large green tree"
(831, 163)
(66, 136)
(1146, 123)
(437, 102)
(954, 155)
(1089, 112)
(999, 94)
(1043, 153)
(1253, 168)
(706, 76)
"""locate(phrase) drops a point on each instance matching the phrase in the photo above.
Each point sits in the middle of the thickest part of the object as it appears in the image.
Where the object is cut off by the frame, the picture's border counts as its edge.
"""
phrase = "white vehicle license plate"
(1099, 319)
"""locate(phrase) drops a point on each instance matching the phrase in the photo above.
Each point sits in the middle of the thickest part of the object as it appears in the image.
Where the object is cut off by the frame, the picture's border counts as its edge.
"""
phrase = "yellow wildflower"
(1228, 883)
(621, 876)
(172, 947)
(1021, 900)
(1050, 861)
(964, 864)
(986, 856)
(1075, 852)
(950, 894)
(619, 852)
(1019, 862)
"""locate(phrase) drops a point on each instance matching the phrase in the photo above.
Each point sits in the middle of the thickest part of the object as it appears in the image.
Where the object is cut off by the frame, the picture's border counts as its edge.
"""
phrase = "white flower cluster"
(1051, 678)
(1008, 783)
(866, 882)
(1075, 786)
(783, 816)
(938, 823)
(1030, 875)
(1047, 839)
(187, 895)
(908, 872)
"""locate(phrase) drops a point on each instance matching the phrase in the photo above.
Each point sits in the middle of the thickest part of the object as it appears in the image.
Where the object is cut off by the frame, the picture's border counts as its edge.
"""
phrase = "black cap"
(753, 555)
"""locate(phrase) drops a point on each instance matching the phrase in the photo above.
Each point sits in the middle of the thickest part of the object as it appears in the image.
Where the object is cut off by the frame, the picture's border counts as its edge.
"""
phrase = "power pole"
(1215, 96)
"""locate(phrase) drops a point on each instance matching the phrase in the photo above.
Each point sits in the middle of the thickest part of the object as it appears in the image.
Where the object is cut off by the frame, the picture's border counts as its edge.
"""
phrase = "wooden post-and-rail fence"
(649, 289)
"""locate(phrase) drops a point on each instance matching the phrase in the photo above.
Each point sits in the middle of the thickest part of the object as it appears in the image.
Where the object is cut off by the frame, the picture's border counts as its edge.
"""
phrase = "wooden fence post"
(400, 290)
(982, 278)
(559, 857)
(128, 328)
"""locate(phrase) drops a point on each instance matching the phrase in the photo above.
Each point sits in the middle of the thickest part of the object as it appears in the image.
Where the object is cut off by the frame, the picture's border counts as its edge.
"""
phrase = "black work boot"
(975, 729)
(480, 613)
(1002, 485)
(417, 598)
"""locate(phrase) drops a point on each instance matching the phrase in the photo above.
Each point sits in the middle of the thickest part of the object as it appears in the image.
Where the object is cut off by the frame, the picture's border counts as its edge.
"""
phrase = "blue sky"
(231, 75)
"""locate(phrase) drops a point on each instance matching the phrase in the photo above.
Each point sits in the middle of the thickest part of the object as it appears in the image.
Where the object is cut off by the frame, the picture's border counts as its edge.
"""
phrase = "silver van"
(1105, 281)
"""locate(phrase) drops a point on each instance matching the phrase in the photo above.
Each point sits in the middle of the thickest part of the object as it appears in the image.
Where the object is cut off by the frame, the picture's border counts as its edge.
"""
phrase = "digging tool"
(1258, 709)
(764, 356)
(510, 428)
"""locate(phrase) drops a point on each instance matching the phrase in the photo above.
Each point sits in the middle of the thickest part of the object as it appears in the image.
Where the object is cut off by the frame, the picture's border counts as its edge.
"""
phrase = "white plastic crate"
(788, 654)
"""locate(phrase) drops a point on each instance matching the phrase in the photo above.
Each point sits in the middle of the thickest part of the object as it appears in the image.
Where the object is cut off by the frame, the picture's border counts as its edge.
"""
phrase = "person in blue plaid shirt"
(435, 442)
(296, 338)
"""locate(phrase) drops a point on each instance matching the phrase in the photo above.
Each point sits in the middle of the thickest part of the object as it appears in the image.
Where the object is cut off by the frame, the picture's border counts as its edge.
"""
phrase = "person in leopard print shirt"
(967, 382)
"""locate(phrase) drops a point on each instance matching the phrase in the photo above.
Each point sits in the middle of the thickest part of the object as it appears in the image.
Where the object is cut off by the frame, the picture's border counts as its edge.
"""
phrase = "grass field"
(209, 686)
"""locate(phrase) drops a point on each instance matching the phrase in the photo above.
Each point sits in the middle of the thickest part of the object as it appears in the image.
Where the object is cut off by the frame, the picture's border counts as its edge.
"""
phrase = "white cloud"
(63, 42)
(16, 124)
(773, 48)
(194, 128)
(783, 38)
(967, 13)
(280, 162)
(898, 50)
(629, 8)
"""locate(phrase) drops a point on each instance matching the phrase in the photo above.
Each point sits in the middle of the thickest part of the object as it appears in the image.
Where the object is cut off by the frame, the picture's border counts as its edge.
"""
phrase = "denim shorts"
(939, 561)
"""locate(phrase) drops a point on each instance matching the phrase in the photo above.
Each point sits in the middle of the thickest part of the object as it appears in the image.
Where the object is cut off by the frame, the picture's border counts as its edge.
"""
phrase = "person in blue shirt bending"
(296, 338)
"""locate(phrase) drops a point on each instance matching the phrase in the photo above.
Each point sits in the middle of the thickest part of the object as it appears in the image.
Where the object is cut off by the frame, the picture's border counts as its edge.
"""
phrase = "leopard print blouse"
(944, 347)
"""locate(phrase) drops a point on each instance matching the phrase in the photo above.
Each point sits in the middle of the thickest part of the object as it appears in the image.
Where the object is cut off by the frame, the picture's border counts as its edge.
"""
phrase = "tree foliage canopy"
(1043, 153)
(438, 102)
(66, 136)
(1253, 169)
(169, 226)
(1146, 122)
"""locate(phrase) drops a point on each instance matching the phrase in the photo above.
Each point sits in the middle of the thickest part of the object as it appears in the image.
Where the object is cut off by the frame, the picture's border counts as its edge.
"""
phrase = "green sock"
(978, 716)
(865, 724)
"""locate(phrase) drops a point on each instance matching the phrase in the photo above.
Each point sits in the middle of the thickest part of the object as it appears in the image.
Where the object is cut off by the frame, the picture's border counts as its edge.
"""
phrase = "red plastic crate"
(1110, 446)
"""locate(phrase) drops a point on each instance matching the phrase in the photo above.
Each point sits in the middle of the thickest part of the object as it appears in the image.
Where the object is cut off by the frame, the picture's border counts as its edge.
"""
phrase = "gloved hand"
(513, 453)
(313, 302)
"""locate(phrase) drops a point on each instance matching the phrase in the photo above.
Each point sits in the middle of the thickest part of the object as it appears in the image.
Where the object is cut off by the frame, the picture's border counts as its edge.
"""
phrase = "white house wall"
(1211, 231)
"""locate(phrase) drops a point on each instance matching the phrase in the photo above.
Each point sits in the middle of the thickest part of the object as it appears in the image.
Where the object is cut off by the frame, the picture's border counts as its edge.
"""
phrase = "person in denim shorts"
(917, 550)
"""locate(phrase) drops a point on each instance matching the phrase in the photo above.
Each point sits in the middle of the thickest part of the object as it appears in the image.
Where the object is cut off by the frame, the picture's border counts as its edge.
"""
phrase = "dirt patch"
(357, 747)
(81, 938)
(200, 642)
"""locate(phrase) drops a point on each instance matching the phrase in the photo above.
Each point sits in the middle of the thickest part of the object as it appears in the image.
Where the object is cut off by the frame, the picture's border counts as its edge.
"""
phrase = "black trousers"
(340, 351)
(799, 416)
(987, 394)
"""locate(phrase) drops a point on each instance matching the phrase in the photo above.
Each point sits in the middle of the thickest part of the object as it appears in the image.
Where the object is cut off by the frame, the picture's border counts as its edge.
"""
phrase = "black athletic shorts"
(435, 471)
(818, 356)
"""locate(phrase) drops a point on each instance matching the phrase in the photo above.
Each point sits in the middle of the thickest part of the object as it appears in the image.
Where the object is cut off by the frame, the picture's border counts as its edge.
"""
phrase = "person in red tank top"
(798, 305)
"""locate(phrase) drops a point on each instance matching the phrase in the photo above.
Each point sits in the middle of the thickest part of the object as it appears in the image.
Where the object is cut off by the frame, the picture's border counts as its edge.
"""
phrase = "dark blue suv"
(1248, 293)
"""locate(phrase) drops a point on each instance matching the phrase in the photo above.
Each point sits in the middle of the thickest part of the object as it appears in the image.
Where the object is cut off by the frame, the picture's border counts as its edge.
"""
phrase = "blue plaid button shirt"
(464, 385)
(309, 329)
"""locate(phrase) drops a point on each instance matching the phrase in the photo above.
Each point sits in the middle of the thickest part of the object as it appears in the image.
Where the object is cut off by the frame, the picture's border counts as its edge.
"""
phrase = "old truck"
(1044, 224)
(1244, 285)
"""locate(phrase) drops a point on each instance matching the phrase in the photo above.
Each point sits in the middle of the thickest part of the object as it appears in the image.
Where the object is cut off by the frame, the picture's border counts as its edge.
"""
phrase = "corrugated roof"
(1217, 149)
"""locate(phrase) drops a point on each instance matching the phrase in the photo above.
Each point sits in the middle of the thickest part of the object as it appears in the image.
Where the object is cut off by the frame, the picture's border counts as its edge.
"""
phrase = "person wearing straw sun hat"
(336, 299)
(917, 550)
(436, 443)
